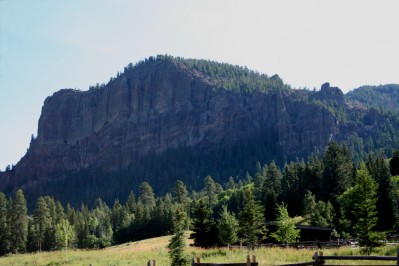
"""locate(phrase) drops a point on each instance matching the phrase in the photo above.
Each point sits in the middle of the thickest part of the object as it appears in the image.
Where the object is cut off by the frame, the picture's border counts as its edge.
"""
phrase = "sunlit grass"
(138, 253)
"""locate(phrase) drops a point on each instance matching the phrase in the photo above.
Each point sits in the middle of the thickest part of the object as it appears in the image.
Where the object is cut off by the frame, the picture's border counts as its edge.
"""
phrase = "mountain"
(169, 118)
(383, 97)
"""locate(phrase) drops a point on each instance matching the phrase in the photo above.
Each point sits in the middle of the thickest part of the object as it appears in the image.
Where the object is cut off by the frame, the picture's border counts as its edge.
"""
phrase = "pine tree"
(388, 213)
(394, 163)
(271, 190)
(227, 227)
(4, 226)
(204, 228)
(131, 203)
(251, 220)
(41, 221)
(177, 243)
(366, 209)
(210, 190)
(358, 205)
(338, 172)
(19, 223)
(147, 198)
(179, 193)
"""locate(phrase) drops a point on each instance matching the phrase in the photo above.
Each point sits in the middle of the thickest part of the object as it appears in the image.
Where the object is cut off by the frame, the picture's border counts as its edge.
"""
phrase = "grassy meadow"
(138, 253)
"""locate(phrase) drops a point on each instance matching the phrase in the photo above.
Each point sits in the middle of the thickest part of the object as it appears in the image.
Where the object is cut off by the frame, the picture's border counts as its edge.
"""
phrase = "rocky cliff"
(164, 105)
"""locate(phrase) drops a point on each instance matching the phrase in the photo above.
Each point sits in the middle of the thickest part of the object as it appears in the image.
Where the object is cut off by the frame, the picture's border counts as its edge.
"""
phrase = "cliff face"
(161, 106)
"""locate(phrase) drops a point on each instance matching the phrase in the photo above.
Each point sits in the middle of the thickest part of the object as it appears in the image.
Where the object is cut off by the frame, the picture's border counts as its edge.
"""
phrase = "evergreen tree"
(271, 190)
(286, 231)
(388, 213)
(177, 243)
(131, 203)
(102, 228)
(204, 228)
(147, 198)
(19, 223)
(291, 187)
(227, 227)
(120, 220)
(4, 226)
(394, 163)
(41, 221)
(210, 190)
(366, 209)
(318, 214)
(231, 184)
(338, 172)
(252, 228)
(358, 204)
(179, 193)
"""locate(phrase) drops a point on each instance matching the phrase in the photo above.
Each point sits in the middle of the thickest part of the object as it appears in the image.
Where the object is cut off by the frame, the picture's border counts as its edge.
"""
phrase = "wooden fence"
(303, 245)
(320, 259)
(197, 262)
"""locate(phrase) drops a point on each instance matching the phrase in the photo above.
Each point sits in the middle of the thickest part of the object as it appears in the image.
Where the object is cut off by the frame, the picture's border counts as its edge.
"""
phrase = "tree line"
(331, 191)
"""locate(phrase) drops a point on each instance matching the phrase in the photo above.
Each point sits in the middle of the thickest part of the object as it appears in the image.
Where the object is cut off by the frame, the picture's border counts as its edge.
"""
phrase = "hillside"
(383, 97)
(169, 118)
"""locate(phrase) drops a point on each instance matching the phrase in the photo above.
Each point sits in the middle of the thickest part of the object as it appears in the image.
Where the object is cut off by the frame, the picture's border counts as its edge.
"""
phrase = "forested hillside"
(383, 97)
(356, 199)
(166, 119)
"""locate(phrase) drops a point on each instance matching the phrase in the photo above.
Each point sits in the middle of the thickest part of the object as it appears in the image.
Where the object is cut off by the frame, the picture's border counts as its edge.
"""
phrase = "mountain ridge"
(200, 116)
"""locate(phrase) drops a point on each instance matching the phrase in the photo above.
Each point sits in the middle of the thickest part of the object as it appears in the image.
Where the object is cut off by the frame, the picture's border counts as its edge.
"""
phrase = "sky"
(48, 45)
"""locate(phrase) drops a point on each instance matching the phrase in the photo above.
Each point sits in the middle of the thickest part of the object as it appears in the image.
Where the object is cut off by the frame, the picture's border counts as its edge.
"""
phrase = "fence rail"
(197, 262)
(320, 259)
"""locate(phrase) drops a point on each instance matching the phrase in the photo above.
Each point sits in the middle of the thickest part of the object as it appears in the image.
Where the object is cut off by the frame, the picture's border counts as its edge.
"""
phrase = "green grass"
(138, 253)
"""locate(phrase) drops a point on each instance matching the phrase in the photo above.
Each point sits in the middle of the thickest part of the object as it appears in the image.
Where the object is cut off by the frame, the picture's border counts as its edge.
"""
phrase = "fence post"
(193, 262)
(154, 263)
(316, 258)
(149, 263)
(397, 256)
(248, 260)
(253, 258)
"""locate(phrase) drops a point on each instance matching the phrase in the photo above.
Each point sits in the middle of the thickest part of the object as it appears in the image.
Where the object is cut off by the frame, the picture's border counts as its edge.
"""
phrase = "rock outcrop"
(163, 105)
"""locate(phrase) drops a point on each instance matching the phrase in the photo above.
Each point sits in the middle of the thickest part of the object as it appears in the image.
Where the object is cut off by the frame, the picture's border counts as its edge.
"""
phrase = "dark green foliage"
(177, 243)
(147, 198)
(338, 172)
(292, 187)
(234, 78)
(394, 163)
(227, 227)
(120, 221)
(318, 214)
(19, 223)
(388, 213)
(383, 97)
(41, 222)
(361, 201)
(271, 190)
(252, 228)
(180, 193)
(4, 226)
(203, 226)
(209, 190)
(245, 197)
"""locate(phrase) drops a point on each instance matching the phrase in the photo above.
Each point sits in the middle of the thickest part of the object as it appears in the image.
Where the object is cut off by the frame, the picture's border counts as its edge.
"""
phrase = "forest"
(359, 200)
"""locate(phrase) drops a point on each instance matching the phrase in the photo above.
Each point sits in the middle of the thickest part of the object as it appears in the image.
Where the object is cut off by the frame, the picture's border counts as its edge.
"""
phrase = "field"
(138, 253)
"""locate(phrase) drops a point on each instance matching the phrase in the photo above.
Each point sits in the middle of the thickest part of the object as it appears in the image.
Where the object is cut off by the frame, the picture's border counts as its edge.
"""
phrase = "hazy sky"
(47, 45)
